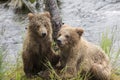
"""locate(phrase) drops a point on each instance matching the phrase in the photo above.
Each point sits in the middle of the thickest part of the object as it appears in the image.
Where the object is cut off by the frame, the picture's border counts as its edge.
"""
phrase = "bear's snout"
(59, 41)
(44, 34)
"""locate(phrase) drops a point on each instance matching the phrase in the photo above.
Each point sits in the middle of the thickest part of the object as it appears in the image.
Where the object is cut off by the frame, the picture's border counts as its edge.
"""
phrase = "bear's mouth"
(60, 45)
(43, 38)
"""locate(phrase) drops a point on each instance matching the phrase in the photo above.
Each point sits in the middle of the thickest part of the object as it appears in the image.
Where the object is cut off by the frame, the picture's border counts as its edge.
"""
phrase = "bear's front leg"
(70, 69)
(28, 68)
(27, 65)
(70, 72)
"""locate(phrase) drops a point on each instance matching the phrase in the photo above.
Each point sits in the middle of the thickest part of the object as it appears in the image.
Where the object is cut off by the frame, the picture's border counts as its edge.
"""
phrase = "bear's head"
(40, 24)
(69, 36)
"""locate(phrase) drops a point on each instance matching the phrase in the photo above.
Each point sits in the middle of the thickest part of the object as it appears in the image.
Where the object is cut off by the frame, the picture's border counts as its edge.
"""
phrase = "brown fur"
(80, 55)
(37, 47)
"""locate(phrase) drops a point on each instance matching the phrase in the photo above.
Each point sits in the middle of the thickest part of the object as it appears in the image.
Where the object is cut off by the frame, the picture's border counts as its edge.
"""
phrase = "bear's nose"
(43, 34)
(58, 41)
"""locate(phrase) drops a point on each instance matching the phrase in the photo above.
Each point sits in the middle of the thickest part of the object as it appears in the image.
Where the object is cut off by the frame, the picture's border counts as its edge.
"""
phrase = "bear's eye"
(37, 26)
(45, 25)
(59, 35)
(67, 36)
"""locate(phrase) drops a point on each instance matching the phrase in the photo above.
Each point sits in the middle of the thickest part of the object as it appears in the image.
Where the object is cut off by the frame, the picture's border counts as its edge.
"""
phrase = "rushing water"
(95, 16)
(11, 33)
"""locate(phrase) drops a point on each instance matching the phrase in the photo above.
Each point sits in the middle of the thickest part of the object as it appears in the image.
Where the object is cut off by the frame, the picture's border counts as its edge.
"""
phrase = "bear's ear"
(79, 31)
(30, 16)
(47, 14)
(64, 25)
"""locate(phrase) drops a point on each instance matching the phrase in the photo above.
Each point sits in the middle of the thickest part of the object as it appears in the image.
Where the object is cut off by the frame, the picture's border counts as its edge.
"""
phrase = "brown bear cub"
(79, 55)
(37, 47)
